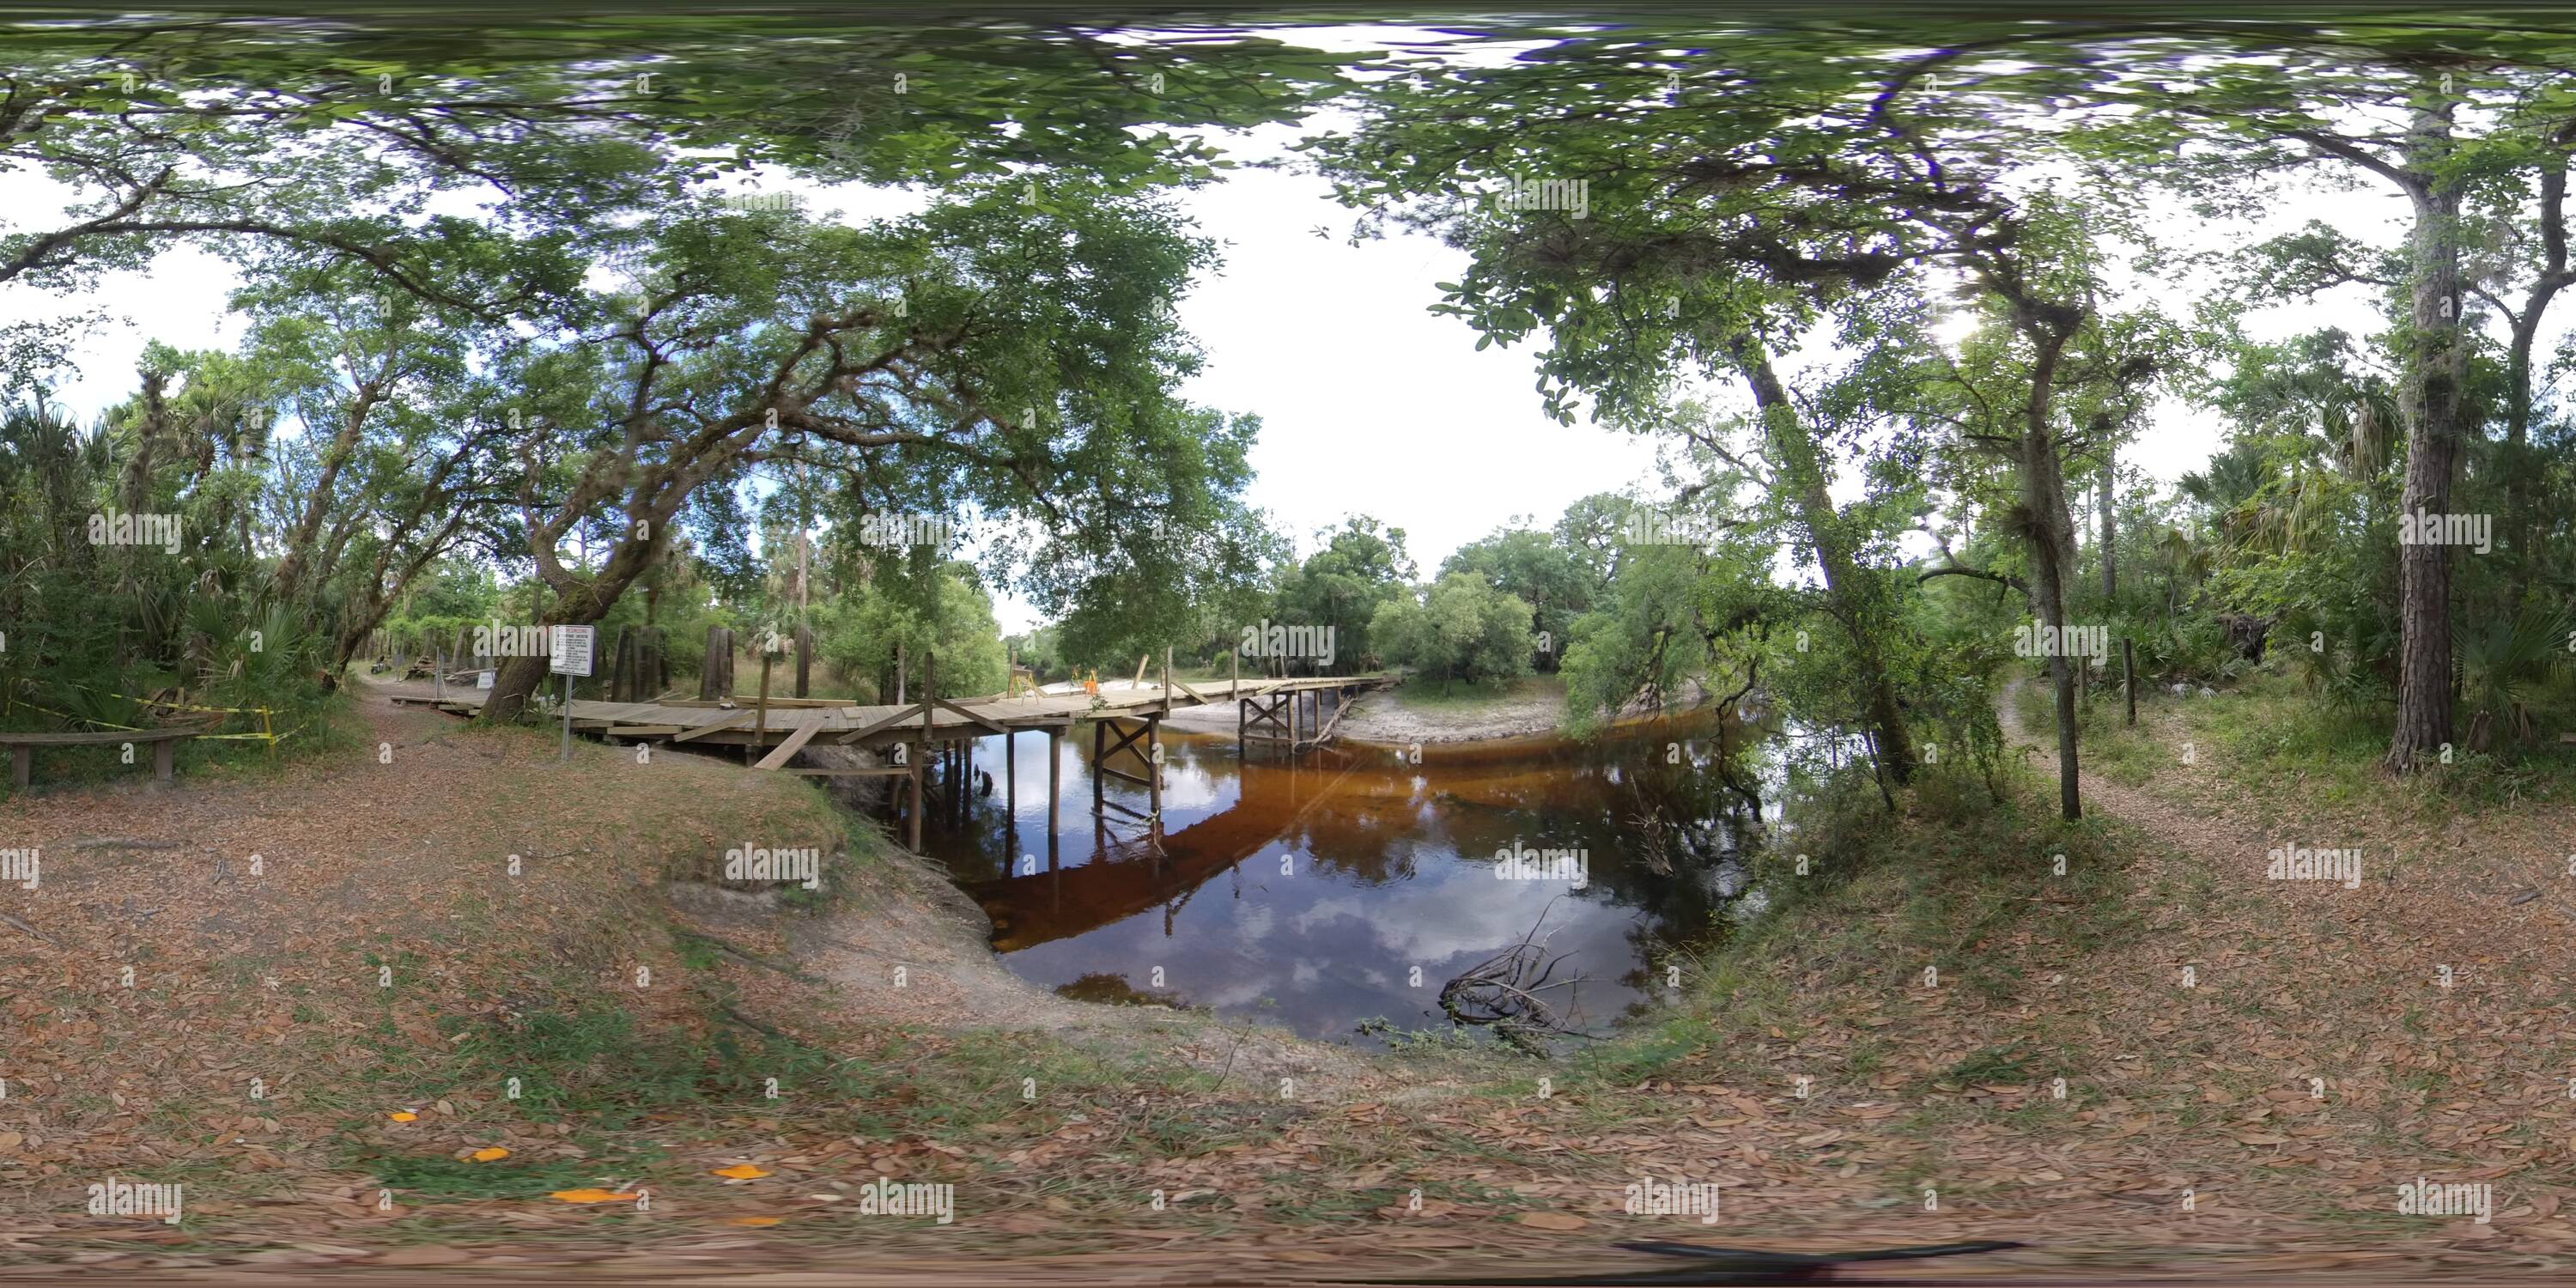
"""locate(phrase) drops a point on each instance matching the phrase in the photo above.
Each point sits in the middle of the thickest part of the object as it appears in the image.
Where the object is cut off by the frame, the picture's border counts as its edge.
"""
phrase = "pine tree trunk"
(2436, 365)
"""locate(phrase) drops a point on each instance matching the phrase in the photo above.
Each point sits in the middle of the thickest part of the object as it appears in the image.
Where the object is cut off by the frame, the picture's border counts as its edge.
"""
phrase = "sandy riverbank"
(1386, 718)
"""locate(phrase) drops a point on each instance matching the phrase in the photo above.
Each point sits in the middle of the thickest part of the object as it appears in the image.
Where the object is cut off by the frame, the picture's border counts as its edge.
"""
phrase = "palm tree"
(2184, 556)
(2499, 663)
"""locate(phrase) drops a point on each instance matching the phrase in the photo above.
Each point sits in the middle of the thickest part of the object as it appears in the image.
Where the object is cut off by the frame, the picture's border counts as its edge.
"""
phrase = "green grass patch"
(1403, 1041)
(2106, 743)
(2297, 753)
(592, 1063)
(435, 1177)
(2009, 1063)
(1642, 1055)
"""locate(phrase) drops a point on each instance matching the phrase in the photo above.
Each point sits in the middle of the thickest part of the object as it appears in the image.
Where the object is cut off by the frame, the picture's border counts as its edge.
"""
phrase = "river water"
(1350, 884)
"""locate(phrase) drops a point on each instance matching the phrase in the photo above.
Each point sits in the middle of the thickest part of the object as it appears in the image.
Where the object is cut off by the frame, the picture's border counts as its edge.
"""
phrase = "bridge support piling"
(921, 749)
(1154, 764)
(920, 752)
(1055, 767)
(1275, 714)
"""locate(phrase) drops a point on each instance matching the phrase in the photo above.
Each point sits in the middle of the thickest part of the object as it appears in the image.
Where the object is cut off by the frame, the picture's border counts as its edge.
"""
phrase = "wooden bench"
(22, 747)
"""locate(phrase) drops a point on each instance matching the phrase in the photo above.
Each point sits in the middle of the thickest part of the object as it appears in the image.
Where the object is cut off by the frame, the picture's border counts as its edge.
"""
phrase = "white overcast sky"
(1369, 403)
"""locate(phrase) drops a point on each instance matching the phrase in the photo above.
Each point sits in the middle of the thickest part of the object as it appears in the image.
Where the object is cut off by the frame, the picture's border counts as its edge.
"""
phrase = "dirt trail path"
(2455, 877)
(2430, 1003)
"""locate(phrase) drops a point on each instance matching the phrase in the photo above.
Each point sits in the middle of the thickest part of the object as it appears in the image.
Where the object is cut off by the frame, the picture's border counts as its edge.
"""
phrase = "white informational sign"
(570, 648)
(483, 679)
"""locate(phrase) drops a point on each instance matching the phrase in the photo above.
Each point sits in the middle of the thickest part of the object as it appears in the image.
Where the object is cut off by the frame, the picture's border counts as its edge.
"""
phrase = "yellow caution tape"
(262, 712)
(182, 706)
(59, 715)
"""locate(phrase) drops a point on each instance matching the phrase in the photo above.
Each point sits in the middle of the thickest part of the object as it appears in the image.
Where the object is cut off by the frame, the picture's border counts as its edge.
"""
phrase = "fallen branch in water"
(1503, 992)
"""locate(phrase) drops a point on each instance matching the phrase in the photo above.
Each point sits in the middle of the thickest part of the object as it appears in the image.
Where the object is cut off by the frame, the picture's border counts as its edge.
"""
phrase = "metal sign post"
(570, 656)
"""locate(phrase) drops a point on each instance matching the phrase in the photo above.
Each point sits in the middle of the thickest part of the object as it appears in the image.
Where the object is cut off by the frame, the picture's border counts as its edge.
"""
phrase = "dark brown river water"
(1349, 884)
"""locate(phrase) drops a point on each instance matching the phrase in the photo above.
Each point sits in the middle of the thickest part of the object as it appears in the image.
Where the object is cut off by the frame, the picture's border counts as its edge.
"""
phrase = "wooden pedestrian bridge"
(1295, 713)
